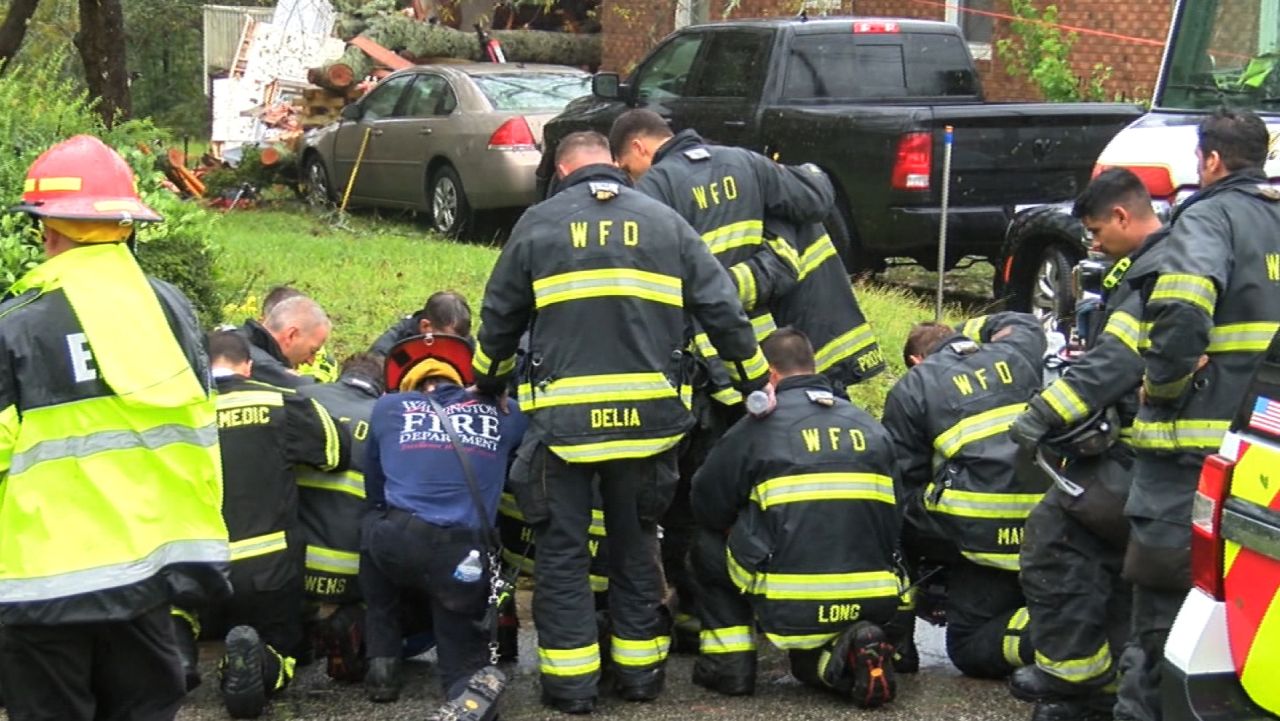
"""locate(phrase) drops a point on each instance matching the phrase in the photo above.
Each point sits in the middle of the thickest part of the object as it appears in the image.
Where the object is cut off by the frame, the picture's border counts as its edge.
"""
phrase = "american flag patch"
(1265, 416)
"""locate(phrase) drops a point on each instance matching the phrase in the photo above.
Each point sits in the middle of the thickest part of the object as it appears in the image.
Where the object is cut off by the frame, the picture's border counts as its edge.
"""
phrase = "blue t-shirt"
(411, 464)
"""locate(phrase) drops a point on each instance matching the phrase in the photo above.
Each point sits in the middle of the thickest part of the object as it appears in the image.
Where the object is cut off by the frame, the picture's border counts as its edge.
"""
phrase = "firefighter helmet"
(1091, 436)
(453, 351)
(83, 179)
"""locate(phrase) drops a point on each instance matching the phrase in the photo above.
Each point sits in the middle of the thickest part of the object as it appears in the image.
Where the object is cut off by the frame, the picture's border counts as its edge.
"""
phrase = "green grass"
(366, 277)
(372, 272)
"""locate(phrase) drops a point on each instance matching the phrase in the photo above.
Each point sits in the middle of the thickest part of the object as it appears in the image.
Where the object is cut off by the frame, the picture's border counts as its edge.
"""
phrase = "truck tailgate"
(1032, 152)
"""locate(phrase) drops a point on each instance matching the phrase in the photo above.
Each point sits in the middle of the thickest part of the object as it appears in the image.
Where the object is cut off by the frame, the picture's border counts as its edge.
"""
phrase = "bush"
(39, 107)
(1041, 52)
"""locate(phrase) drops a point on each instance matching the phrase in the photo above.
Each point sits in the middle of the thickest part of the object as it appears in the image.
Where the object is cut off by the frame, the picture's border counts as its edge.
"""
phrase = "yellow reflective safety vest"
(109, 505)
(950, 417)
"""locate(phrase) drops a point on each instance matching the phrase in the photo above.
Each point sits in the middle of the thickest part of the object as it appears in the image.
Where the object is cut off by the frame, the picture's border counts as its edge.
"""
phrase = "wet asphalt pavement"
(937, 693)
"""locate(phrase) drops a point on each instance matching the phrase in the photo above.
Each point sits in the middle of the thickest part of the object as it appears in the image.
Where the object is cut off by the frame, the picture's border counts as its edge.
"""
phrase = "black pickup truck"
(868, 99)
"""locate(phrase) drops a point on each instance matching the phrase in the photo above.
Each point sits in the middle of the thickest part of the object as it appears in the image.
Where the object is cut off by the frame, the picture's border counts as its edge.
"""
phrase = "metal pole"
(942, 226)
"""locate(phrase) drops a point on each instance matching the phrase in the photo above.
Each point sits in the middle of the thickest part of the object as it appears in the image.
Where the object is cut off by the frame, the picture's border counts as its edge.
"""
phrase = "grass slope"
(369, 274)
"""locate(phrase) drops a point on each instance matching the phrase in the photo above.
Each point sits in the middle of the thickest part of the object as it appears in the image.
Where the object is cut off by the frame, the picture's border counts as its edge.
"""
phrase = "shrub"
(1041, 52)
(39, 107)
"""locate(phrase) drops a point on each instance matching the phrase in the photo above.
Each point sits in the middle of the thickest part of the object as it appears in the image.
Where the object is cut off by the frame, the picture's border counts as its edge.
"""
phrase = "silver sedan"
(449, 140)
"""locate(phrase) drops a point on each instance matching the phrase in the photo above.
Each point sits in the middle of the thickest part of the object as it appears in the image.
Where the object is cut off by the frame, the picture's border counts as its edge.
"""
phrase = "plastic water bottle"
(470, 568)
(761, 403)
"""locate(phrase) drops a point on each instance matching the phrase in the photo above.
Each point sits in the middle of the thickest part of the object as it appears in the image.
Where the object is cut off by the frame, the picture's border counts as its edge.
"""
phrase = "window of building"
(977, 27)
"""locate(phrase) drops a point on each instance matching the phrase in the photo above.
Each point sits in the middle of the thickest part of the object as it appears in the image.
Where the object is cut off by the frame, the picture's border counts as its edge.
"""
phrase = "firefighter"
(289, 336)
(445, 311)
(94, 442)
(824, 306)
(1073, 548)
(966, 498)
(1213, 303)
(330, 509)
(725, 193)
(602, 277)
(423, 531)
(819, 471)
(264, 431)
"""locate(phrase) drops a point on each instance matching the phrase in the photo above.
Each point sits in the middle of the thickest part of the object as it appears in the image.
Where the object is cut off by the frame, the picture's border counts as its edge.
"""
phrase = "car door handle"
(735, 123)
(424, 131)
(375, 132)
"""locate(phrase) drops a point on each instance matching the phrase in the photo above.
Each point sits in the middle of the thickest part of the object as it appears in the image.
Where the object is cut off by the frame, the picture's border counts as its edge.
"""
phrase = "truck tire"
(845, 238)
(1041, 248)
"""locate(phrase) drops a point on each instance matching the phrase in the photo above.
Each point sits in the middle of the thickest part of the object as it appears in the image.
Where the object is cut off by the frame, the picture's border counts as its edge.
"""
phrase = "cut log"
(422, 41)
(276, 155)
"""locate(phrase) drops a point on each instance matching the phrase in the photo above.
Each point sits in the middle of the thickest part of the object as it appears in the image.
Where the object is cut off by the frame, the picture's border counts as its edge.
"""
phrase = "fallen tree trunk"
(419, 40)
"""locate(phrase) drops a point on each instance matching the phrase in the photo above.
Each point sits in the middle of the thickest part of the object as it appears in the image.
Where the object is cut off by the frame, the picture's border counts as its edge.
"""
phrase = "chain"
(495, 596)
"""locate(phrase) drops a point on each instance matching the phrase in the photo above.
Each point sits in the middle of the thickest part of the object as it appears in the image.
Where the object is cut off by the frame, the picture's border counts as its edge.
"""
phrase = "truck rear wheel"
(1050, 292)
(1041, 249)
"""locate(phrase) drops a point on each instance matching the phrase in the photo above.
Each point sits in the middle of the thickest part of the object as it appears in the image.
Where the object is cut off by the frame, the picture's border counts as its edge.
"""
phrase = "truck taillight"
(1206, 520)
(1157, 178)
(513, 135)
(914, 163)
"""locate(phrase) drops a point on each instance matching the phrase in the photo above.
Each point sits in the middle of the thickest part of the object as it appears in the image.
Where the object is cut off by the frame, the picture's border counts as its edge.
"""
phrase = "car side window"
(448, 101)
(423, 97)
(666, 75)
(382, 101)
(732, 65)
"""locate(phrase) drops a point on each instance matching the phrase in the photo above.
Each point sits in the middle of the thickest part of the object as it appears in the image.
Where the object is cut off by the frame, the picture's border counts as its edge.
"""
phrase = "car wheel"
(318, 191)
(449, 212)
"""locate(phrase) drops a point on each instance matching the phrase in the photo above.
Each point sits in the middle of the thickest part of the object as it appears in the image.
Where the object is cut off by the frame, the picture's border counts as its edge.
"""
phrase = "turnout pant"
(1079, 605)
(404, 553)
(635, 493)
(267, 594)
(110, 671)
(678, 526)
(1158, 562)
(986, 621)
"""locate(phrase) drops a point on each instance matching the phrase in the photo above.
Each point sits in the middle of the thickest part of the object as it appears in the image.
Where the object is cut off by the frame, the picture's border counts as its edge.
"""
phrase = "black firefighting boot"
(340, 638)
(382, 683)
(1030, 683)
(477, 700)
(1094, 708)
(186, 629)
(730, 674)
(865, 657)
(242, 681)
(643, 686)
(573, 706)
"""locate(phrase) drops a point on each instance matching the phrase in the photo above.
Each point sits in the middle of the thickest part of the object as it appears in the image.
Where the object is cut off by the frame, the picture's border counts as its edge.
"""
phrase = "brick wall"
(632, 27)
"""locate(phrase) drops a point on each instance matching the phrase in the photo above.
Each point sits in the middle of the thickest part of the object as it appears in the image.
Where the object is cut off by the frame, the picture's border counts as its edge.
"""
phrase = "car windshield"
(1224, 52)
(532, 91)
